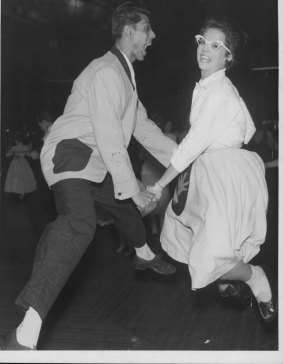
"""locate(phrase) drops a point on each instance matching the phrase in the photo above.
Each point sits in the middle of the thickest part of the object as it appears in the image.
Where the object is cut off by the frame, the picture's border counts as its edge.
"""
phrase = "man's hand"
(146, 202)
(142, 199)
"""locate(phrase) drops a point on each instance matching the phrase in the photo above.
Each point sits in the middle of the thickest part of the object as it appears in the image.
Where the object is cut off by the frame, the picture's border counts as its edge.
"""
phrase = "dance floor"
(106, 305)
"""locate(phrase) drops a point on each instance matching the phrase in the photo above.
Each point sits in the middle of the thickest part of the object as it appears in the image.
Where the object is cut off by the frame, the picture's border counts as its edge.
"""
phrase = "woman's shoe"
(268, 310)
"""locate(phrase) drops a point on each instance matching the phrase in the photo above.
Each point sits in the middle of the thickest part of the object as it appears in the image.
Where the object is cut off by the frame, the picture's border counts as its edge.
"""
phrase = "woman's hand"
(156, 190)
(143, 199)
(146, 202)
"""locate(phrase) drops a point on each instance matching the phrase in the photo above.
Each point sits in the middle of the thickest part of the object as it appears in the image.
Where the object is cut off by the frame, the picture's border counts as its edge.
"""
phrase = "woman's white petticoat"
(20, 178)
(224, 217)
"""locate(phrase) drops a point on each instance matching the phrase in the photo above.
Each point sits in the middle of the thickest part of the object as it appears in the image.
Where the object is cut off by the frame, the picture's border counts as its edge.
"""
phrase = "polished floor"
(106, 305)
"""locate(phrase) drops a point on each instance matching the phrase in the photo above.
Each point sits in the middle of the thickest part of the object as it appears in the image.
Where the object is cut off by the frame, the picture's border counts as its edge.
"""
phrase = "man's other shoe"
(10, 342)
(157, 264)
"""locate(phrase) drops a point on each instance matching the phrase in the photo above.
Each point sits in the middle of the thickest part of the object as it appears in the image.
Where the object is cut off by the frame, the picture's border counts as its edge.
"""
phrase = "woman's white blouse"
(219, 119)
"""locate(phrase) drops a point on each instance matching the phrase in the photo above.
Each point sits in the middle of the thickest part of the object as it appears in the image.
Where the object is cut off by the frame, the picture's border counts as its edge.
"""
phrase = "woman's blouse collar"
(216, 76)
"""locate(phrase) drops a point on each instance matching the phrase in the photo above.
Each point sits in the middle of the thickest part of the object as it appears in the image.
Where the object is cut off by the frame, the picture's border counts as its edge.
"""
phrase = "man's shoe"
(157, 264)
(10, 342)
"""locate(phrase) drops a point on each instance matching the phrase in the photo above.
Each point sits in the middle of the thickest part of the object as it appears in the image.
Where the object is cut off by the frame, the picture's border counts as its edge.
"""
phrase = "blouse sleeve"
(215, 114)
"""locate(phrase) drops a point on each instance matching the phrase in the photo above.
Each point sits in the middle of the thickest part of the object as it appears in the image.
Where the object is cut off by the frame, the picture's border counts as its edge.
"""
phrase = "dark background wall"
(46, 43)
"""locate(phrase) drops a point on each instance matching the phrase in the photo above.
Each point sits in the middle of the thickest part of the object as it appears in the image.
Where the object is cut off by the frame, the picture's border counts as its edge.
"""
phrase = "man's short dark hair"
(127, 13)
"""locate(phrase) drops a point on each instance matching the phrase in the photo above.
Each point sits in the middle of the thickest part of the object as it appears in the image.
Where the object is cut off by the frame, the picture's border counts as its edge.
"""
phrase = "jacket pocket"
(71, 155)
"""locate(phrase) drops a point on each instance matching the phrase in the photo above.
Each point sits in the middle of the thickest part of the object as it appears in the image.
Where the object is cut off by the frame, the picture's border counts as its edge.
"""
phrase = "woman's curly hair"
(235, 38)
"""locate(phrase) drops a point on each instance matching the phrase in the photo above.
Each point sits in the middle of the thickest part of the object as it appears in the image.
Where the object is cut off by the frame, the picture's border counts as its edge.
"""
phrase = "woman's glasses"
(213, 44)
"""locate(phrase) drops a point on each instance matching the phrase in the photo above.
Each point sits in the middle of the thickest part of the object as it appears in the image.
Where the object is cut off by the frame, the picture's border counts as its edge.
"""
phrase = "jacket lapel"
(122, 60)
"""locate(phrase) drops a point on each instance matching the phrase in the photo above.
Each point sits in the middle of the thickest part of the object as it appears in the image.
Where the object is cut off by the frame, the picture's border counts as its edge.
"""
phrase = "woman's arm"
(215, 113)
(167, 177)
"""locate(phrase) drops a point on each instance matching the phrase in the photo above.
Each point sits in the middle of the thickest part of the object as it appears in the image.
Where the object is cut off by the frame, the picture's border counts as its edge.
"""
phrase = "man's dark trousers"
(66, 239)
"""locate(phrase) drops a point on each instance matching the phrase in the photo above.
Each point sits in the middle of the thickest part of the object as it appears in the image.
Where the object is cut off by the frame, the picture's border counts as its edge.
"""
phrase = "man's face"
(142, 37)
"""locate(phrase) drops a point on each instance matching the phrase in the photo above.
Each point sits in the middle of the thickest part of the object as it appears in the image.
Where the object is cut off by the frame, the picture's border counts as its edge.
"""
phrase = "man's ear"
(128, 31)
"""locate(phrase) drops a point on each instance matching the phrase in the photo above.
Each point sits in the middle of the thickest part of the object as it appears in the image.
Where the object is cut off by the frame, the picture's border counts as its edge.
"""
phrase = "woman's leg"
(241, 272)
(253, 276)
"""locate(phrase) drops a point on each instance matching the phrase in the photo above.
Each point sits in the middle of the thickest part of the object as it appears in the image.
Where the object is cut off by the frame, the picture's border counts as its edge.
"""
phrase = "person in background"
(151, 171)
(45, 120)
(265, 143)
(181, 133)
(168, 130)
(20, 179)
(86, 163)
(40, 204)
(216, 221)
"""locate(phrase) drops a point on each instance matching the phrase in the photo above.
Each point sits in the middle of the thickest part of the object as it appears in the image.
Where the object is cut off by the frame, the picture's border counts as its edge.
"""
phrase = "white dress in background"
(218, 213)
(20, 178)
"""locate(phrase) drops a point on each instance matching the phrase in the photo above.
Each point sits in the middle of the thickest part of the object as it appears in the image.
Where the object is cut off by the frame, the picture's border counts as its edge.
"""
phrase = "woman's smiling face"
(212, 60)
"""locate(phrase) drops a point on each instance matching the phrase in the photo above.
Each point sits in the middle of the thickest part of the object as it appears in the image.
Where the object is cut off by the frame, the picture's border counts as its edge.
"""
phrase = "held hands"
(156, 190)
(145, 201)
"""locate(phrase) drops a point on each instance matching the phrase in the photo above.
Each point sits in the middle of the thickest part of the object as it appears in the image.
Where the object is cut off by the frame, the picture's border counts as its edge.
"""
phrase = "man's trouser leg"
(62, 244)
(126, 216)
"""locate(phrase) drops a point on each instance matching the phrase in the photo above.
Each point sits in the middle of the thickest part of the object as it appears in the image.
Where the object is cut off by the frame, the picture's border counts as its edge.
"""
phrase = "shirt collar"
(129, 63)
(216, 76)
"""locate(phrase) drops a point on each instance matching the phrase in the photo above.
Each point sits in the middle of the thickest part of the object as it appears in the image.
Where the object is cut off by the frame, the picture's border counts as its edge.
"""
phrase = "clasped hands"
(147, 200)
